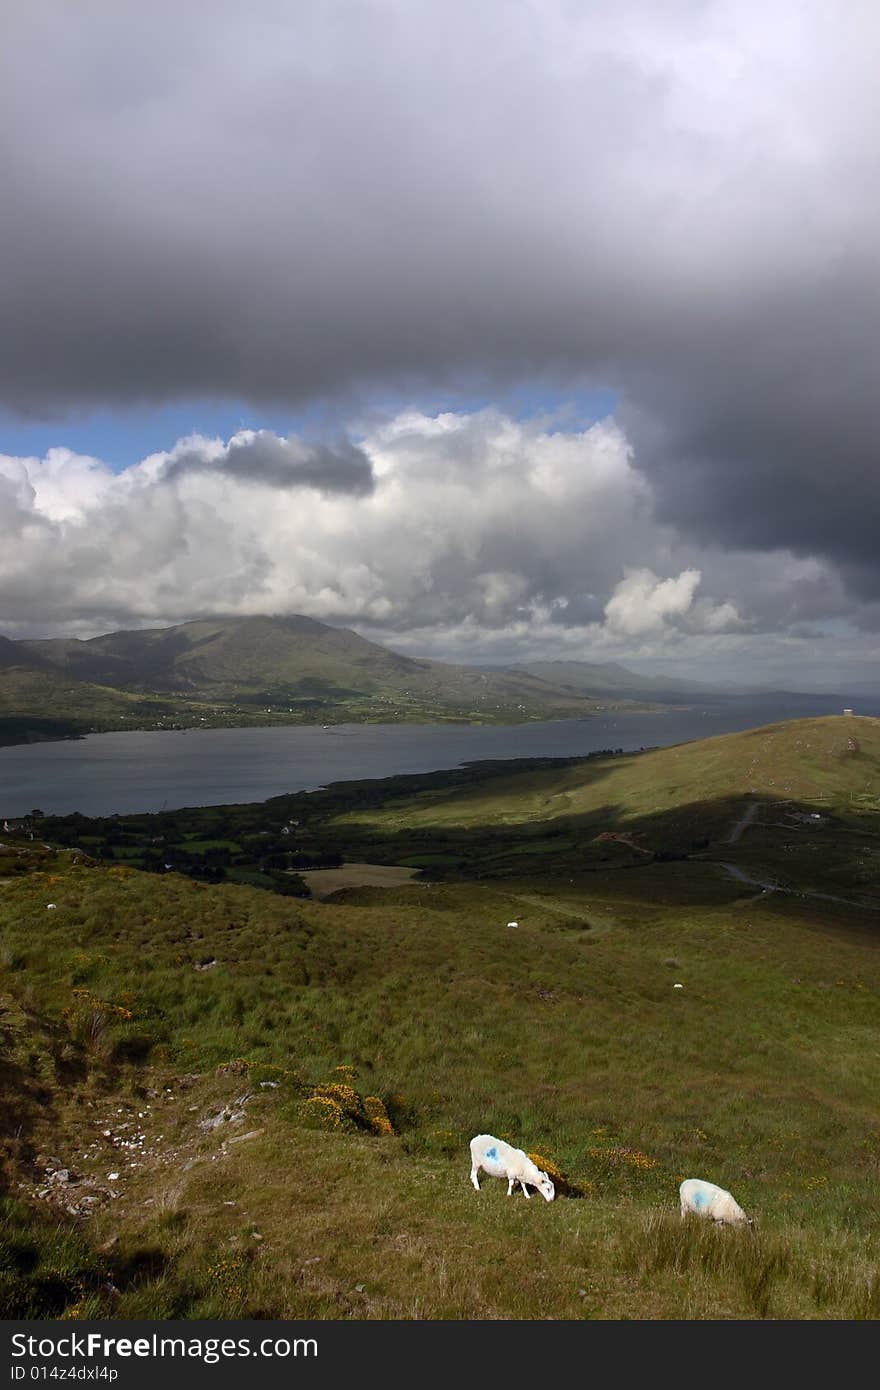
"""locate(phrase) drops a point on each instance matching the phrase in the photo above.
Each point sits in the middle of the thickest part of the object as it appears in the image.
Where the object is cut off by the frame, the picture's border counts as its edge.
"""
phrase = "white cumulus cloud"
(463, 536)
(642, 604)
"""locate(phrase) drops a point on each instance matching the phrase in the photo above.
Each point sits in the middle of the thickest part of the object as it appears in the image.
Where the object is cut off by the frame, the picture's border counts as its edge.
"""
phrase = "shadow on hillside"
(25, 1097)
(775, 840)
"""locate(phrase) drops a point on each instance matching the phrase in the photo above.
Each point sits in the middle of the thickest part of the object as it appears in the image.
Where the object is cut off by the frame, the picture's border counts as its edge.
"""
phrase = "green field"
(141, 1007)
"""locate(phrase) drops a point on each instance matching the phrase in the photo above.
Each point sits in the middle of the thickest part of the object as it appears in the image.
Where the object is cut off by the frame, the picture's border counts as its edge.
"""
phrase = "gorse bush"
(563, 1184)
(334, 1106)
(93, 1023)
(377, 1115)
(337, 1106)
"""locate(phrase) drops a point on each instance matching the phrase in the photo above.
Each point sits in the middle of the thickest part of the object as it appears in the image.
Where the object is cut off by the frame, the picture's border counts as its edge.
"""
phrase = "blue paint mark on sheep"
(492, 1153)
(700, 1199)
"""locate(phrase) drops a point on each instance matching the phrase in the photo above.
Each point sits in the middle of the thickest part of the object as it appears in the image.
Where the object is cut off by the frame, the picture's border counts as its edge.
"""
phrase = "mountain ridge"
(611, 678)
(282, 668)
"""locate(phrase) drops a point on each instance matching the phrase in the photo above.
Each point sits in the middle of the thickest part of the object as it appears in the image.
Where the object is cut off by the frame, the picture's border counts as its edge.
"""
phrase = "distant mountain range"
(280, 670)
(257, 670)
(610, 679)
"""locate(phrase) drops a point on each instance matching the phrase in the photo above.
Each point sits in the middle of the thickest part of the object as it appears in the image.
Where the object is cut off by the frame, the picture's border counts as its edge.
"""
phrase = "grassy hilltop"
(665, 803)
(284, 1090)
(833, 759)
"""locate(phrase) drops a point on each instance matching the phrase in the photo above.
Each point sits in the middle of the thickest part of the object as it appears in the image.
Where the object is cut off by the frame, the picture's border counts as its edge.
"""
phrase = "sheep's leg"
(510, 1182)
(683, 1211)
(524, 1188)
(474, 1179)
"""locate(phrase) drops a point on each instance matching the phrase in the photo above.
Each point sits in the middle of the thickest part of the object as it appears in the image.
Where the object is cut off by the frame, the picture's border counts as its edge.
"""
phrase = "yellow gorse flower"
(327, 1111)
(336, 1105)
(86, 1000)
(377, 1115)
(618, 1154)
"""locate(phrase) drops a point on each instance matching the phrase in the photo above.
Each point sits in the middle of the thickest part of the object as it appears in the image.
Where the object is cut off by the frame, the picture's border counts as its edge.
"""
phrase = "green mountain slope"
(836, 757)
(794, 805)
(225, 656)
(284, 666)
(14, 655)
(37, 704)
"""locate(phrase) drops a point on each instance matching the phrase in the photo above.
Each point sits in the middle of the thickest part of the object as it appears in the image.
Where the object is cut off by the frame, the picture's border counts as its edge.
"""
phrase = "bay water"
(121, 773)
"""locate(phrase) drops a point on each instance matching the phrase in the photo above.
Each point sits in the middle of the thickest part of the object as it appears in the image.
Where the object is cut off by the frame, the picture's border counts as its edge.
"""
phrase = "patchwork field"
(322, 882)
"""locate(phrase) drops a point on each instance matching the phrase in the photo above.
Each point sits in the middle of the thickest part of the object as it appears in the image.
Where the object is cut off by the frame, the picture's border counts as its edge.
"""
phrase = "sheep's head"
(562, 1184)
(546, 1188)
(734, 1218)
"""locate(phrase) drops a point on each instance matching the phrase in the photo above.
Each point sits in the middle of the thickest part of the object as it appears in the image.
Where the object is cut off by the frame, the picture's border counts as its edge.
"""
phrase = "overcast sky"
(492, 330)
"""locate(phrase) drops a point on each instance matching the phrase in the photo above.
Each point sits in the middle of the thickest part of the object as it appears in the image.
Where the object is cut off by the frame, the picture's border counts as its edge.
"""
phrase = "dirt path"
(735, 872)
(546, 903)
(744, 821)
(600, 921)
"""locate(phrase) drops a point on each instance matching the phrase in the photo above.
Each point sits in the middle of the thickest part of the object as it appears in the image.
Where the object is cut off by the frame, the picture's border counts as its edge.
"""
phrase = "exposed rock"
(251, 1134)
(228, 1114)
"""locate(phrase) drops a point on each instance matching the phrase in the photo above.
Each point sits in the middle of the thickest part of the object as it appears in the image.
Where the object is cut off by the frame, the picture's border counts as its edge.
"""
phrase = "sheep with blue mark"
(707, 1199)
(501, 1160)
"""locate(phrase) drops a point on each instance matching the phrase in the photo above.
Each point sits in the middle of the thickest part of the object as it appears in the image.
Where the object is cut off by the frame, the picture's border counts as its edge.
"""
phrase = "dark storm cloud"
(287, 202)
(775, 441)
(261, 457)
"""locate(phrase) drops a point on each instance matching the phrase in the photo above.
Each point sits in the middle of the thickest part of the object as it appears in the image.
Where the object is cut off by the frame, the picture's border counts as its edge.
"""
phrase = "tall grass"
(761, 1074)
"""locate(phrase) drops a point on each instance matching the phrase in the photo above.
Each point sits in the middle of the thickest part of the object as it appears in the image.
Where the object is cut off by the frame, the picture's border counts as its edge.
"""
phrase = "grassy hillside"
(803, 794)
(13, 654)
(37, 704)
(225, 654)
(283, 1090)
(255, 670)
(666, 797)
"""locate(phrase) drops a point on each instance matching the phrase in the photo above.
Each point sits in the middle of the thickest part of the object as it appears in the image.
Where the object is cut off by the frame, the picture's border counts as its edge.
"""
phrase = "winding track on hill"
(735, 872)
(569, 911)
(745, 820)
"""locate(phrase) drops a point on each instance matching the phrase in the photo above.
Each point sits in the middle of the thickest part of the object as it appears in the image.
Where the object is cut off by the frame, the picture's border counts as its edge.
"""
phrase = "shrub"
(334, 1106)
(563, 1184)
(237, 1067)
(377, 1115)
(338, 1106)
(88, 1018)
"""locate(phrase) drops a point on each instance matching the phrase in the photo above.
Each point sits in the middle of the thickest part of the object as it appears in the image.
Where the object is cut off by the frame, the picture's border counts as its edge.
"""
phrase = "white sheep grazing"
(707, 1199)
(501, 1160)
